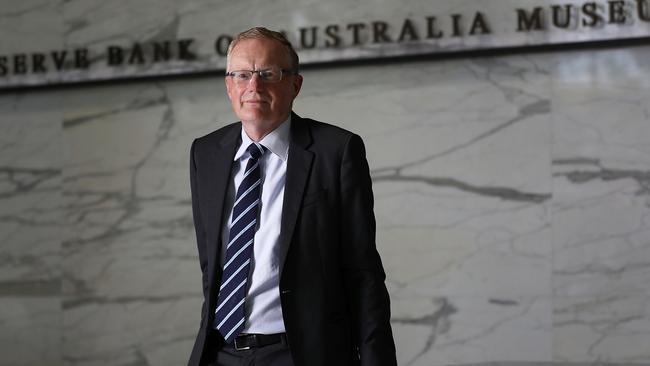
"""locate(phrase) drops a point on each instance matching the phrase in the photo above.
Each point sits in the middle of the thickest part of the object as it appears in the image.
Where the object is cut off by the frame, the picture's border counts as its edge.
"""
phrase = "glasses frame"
(283, 72)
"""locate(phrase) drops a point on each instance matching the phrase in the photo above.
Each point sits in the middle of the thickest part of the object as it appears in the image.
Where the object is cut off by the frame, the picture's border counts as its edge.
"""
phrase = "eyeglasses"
(272, 75)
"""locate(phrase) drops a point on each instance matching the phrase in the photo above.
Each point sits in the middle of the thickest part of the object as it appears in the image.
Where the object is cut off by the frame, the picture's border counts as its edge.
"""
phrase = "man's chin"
(255, 109)
(254, 117)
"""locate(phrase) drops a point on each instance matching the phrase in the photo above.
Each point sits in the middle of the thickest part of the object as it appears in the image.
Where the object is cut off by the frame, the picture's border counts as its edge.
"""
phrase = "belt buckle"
(243, 348)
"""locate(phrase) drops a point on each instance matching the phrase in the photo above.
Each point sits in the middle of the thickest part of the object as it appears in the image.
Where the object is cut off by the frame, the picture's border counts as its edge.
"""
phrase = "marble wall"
(512, 202)
(31, 229)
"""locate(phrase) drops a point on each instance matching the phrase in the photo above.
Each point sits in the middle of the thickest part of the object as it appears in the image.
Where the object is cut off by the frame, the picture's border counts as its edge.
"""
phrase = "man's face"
(256, 102)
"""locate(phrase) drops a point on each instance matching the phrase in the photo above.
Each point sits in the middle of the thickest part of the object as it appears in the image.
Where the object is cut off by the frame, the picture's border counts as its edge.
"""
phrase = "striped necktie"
(230, 315)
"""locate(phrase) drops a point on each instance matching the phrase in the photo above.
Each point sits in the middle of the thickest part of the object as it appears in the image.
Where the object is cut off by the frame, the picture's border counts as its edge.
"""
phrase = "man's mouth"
(255, 102)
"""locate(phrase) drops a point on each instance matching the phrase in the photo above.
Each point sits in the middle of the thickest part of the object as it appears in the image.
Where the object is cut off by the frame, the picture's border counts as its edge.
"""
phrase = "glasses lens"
(242, 76)
(271, 75)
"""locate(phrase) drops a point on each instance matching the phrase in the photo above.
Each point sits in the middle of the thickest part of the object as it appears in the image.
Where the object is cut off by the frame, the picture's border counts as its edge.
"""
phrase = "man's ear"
(228, 82)
(297, 84)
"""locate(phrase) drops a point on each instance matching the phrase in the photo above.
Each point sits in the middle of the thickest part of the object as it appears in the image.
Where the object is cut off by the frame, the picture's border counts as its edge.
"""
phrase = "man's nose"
(255, 82)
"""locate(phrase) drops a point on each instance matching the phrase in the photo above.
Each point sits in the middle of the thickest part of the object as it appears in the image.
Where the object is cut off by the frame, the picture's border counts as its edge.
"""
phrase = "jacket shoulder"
(323, 132)
(215, 137)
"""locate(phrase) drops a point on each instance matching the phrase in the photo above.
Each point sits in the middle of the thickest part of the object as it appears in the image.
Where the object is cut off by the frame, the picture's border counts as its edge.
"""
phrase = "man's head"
(260, 100)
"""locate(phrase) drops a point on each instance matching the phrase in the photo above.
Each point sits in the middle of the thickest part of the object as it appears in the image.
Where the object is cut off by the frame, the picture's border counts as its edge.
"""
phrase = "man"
(283, 212)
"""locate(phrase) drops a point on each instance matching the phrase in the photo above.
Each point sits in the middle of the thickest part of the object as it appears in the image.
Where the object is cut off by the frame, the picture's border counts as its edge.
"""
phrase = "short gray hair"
(263, 33)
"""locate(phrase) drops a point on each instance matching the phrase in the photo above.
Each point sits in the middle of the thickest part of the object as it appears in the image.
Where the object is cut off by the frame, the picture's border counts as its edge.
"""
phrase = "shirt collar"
(277, 141)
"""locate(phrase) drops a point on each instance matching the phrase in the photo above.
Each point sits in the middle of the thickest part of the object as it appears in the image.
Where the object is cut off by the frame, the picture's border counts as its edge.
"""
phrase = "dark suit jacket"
(334, 301)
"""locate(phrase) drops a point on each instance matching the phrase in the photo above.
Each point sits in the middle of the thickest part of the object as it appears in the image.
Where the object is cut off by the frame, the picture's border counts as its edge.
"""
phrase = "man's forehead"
(259, 51)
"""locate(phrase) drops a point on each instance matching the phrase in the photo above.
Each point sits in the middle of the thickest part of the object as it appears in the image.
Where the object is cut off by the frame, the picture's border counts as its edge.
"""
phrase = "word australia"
(567, 17)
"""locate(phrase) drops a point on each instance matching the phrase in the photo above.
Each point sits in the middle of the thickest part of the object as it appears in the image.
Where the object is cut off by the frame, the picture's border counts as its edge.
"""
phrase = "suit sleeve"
(198, 227)
(363, 272)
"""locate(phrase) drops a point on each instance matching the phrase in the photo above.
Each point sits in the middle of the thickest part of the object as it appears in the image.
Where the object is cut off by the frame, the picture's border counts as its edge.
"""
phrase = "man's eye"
(241, 75)
(267, 74)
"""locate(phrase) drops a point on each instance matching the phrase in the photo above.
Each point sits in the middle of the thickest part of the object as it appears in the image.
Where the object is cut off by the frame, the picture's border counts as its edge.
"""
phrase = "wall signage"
(501, 24)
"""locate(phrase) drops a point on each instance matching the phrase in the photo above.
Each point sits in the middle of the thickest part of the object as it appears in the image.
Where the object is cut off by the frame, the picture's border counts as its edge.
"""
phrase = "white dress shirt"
(263, 308)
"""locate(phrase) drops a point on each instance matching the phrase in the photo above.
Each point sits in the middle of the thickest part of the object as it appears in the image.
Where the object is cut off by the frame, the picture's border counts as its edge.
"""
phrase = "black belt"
(248, 341)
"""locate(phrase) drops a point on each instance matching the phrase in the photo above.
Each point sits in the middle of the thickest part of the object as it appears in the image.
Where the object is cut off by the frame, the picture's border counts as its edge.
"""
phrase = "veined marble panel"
(602, 329)
(31, 208)
(30, 332)
(472, 330)
(132, 280)
(31, 25)
(601, 206)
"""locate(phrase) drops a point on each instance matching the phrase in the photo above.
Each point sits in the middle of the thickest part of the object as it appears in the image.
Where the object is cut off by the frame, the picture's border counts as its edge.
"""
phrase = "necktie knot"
(256, 150)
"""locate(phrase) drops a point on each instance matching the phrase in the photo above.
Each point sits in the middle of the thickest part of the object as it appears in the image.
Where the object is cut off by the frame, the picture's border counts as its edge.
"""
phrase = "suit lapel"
(298, 169)
(219, 177)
